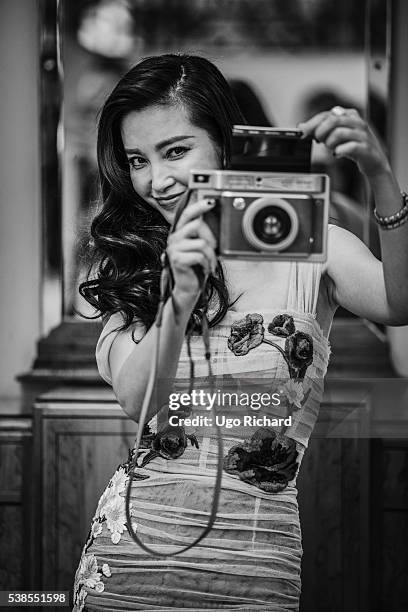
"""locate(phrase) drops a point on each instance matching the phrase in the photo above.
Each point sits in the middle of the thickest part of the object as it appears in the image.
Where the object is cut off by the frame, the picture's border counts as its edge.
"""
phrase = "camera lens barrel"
(270, 224)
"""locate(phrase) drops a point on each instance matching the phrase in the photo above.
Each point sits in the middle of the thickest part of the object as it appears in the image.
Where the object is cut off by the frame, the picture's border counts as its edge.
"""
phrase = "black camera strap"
(165, 294)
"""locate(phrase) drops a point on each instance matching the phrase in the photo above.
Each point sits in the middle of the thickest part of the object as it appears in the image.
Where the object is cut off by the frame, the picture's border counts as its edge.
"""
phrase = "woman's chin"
(169, 215)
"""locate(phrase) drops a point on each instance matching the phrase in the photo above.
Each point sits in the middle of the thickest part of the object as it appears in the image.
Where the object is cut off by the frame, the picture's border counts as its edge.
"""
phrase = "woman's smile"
(169, 202)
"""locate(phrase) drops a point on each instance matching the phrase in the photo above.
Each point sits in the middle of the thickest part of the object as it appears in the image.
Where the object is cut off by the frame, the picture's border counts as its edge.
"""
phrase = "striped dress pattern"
(251, 559)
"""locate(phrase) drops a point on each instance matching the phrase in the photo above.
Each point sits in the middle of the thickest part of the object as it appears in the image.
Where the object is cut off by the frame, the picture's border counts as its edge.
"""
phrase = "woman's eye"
(136, 162)
(176, 152)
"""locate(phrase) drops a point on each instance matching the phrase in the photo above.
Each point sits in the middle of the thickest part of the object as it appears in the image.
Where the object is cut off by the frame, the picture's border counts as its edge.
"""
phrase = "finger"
(204, 231)
(195, 210)
(193, 229)
(189, 230)
(354, 113)
(341, 135)
(308, 127)
(353, 150)
(331, 122)
(193, 245)
(188, 259)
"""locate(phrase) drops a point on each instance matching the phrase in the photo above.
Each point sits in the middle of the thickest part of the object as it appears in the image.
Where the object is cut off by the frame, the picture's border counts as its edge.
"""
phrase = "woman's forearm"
(394, 243)
(131, 383)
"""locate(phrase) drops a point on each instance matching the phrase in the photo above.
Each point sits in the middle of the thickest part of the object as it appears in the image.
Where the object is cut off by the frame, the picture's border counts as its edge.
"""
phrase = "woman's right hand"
(191, 243)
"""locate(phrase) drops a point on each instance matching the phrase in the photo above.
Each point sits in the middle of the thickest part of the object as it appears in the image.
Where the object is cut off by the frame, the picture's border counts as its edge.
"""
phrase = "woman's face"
(162, 146)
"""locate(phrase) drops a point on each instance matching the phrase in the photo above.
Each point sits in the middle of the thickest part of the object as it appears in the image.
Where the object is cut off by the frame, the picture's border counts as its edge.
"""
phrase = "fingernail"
(211, 202)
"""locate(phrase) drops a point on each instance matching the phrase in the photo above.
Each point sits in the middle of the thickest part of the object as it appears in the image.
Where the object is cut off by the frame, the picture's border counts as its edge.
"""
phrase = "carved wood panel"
(332, 502)
(15, 498)
(81, 447)
(389, 529)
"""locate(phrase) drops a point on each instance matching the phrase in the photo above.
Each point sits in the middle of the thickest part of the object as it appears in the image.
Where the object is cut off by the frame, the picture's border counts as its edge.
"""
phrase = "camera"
(268, 205)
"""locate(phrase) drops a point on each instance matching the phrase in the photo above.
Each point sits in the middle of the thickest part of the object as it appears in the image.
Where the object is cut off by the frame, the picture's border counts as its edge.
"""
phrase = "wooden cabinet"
(353, 499)
(15, 496)
(389, 520)
(81, 438)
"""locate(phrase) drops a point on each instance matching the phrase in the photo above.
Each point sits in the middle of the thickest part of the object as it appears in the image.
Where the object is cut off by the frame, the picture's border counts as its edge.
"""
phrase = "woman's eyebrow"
(169, 141)
(162, 144)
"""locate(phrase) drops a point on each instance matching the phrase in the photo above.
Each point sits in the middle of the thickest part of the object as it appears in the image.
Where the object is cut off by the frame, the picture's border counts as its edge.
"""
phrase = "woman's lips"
(169, 202)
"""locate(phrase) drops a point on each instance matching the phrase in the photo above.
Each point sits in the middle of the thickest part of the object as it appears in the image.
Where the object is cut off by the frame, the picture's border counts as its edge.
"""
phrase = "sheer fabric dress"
(251, 559)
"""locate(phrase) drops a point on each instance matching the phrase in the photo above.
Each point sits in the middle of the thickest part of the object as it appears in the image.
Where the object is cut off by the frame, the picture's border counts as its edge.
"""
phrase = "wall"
(19, 193)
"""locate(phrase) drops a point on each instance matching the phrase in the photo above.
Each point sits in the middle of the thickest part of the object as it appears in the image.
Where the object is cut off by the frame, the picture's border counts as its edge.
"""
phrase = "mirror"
(285, 61)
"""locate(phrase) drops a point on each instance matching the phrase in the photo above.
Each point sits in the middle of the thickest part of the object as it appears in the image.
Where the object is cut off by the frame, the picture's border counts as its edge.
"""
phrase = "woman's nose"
(161, 178)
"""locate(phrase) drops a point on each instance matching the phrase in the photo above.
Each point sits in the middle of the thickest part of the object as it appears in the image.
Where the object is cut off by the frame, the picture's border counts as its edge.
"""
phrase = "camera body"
(258, 214)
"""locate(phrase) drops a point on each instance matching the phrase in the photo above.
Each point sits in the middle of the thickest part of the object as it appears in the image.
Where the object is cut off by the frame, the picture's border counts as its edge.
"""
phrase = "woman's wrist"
(386, 191)
(396, 219)
(382, 174)
(184, 300)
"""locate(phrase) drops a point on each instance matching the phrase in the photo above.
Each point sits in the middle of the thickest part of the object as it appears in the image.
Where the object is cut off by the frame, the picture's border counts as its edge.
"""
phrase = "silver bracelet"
(393, 221)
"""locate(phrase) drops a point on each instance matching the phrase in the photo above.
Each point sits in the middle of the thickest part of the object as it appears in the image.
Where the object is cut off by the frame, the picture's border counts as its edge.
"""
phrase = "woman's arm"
(361, 283)
(130, 364)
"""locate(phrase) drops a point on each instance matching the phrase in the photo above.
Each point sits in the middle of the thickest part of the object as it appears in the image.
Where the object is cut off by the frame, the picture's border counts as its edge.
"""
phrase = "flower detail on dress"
(115, 514)
(88, 573)
(106, 571)
(282, 325)
(111, 508)
(169, 443)
(267, 460)
(294, 393)
(86, 577)
(249, 332)
(99, 587)
(246, 334)
(79, 599)
(299, 350)
(118, 480)
(96, 528)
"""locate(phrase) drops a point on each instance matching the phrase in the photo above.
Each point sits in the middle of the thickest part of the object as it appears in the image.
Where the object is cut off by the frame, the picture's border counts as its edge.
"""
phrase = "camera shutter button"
(239, 203)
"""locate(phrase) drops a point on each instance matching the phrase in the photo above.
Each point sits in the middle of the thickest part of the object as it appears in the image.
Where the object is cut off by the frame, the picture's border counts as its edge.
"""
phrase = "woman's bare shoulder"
(115, 343)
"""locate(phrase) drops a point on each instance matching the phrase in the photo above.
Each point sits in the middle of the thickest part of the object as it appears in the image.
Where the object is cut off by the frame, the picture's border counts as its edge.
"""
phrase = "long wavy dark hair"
(128, 235)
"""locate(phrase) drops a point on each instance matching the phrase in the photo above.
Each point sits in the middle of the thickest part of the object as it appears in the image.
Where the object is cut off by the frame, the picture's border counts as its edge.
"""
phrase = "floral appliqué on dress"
(268, 459)
(168, 443)
(110, 512)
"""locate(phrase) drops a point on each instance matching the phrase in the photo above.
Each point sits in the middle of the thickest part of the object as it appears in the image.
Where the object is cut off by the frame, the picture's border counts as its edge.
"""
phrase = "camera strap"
(165, 294)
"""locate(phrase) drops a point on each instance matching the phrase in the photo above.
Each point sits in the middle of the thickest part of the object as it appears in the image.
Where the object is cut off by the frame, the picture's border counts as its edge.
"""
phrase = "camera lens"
(270, 224)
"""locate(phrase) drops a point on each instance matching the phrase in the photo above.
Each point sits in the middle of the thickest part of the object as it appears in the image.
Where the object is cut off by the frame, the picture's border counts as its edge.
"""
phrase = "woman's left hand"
(346, 134)
(371, 289)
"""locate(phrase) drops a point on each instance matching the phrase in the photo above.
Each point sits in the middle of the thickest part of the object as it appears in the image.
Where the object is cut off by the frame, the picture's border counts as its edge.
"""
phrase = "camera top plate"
(274, 182)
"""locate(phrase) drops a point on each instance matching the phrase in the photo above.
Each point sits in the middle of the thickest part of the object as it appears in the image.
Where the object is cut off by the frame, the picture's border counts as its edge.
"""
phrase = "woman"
(268, 321)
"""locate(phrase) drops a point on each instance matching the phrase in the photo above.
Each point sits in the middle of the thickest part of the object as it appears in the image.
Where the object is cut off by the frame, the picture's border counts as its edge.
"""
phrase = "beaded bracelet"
(393, 221)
